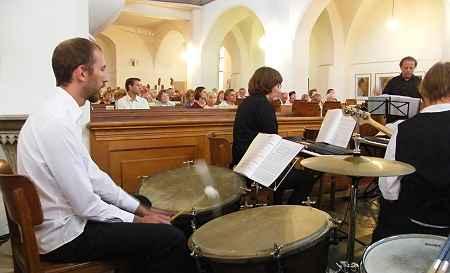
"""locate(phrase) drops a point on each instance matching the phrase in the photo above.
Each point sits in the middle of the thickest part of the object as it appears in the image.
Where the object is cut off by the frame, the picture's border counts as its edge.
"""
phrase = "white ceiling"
(137, 20)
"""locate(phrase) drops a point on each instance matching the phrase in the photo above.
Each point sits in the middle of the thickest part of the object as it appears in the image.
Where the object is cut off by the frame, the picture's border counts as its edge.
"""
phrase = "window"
(221, 67)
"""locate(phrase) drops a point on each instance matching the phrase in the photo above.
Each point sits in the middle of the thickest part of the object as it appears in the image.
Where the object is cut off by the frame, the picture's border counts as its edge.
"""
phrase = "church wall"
(372, 48)
(321, 55)
(131, 46)
(169, 62)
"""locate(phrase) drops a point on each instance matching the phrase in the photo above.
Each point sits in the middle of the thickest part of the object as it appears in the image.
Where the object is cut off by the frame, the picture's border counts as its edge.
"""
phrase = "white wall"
(372, 48)
(109, 51)
(169, 62)
(321, 55)
(157, 55)
(3, 220)
(131, 45)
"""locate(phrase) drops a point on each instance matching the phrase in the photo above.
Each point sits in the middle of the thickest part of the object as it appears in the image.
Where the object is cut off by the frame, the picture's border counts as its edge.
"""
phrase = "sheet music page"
(273, 165)
(258, 150)
(336, 128)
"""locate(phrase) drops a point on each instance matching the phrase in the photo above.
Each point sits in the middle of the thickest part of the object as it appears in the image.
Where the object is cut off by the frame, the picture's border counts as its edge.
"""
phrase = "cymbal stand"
(348, 265)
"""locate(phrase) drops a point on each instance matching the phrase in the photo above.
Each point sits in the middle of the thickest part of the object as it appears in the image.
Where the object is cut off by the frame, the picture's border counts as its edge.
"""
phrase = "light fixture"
(392, 24)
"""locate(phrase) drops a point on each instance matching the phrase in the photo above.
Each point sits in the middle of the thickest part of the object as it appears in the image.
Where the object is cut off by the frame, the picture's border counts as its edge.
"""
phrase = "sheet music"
(267, 157)
(336, 128)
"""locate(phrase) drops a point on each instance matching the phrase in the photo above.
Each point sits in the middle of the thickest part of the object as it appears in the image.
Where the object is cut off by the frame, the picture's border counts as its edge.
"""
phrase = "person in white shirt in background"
(229, 99)
(163, 99)
(132, 100)
(86, 215)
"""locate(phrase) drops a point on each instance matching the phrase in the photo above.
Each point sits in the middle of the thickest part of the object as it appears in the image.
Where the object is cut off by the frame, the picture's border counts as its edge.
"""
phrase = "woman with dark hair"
(256, 115)
(199, 97)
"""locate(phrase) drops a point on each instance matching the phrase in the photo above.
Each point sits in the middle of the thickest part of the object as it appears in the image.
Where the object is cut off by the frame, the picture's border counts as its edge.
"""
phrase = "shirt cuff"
(125, 216)
(128, 203)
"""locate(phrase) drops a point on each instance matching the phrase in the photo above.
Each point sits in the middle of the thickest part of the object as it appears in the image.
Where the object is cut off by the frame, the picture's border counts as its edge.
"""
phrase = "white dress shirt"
(390, 186)
(128, 103)
(71, 187)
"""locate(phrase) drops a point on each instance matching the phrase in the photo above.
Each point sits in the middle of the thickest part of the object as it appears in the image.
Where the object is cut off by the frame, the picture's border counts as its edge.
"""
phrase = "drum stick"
(445, 264)
(443, 255)
(210, 193)
(178, 214)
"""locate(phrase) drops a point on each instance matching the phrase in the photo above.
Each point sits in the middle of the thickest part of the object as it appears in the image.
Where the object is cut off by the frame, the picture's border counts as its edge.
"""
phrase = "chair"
(328, 105)
(306, 109)
(23, 210)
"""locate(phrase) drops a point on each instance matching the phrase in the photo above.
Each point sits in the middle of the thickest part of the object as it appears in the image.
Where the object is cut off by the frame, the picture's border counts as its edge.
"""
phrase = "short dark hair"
(291, 93)
(228, 92)
(436, 83)
(329, 90)
(69, 55)
(131, 81)
(263, 80)
(198, 91)
(408, 58)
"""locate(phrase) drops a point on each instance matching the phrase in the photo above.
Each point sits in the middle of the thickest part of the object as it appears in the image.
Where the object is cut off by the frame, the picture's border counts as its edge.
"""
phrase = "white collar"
(70, 103)
(441, 107)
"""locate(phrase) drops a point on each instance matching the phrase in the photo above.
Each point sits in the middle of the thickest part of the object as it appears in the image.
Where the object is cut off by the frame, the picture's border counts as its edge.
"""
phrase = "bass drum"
(183, 190)
(409, 253)
(264, 240)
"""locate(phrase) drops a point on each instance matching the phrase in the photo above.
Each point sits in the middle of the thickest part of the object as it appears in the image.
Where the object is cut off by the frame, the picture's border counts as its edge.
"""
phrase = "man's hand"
(152, 215)
(152, 218)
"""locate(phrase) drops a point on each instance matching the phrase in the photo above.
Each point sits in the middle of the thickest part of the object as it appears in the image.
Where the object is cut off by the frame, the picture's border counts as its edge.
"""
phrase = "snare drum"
(409, 253)
(263, 240)
(183, 190)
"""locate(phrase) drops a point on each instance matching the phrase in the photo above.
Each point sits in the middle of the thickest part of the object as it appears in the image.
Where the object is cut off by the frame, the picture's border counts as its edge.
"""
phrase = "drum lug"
(189, 163)
(195, 253)
(276, 256)
(193, 218)
(308, 202)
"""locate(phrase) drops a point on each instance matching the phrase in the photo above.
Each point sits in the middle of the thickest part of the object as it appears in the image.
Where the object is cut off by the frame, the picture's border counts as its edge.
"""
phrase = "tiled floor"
(367, 212)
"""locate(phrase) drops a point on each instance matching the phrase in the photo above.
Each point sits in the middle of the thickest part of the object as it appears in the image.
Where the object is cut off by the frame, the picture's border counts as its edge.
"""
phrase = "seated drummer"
(256, 115)
(420, 202)
(86, 215)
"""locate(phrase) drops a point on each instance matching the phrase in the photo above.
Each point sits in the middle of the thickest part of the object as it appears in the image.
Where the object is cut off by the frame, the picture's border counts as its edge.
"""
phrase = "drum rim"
(393, 238)
(305, 243)
(234, 197)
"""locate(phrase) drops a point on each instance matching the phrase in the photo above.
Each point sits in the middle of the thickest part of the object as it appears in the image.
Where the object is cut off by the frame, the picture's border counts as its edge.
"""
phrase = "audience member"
(316, 97)
(305, 98)
(242, 93)
(199, 97)
(132, 100)
(292, 97)
(331, 95)
(188, 98)
(284, 98)
(312, 92)
(230, 99)
(163, 99)
(220, 97)
(211, 99)
(119, 93)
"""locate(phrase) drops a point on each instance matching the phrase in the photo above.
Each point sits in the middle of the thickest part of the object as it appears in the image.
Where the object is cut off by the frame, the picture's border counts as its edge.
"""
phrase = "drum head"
(252, 233)
(184, 188)
(410, 253)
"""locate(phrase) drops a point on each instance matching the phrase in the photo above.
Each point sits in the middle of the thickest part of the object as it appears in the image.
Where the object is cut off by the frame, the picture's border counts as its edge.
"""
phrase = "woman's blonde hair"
(436, 83)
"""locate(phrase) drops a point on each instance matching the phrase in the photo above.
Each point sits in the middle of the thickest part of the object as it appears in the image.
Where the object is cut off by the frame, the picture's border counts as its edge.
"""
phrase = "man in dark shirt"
(405, 84)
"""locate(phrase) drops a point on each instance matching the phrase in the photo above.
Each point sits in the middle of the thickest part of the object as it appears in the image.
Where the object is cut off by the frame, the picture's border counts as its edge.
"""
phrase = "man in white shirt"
(86, 215)
(132, 100)
(420, 202)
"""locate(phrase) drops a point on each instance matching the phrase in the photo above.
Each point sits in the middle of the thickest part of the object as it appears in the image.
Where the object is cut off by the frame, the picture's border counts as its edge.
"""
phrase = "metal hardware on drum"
(309, 202)
(276, 256)
(193, 219)
(189, 162)
(195, 253)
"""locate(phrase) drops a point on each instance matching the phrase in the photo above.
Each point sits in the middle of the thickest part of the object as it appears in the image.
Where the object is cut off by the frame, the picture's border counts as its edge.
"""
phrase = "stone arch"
(109, 51)
(167, 59)
(302, 41)
(224, 24)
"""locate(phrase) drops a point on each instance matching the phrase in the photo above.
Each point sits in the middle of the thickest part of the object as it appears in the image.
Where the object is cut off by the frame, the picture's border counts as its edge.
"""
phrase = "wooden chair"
(23, 210)
(328, 105)
(306, 109)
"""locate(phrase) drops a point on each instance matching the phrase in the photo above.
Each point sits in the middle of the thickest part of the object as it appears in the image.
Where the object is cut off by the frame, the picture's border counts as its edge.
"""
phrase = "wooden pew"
(306, 109)
(131, 143)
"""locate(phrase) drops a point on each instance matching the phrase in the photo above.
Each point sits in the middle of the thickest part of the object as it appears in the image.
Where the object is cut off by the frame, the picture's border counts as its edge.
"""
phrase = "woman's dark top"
(254, 115)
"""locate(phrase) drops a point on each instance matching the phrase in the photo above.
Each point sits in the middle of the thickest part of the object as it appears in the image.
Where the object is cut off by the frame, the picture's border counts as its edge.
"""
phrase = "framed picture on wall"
(381, 80)
(362, 85)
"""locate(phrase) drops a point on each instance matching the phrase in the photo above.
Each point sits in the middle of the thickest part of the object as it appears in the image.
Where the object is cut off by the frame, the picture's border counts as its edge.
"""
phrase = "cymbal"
(358, 166)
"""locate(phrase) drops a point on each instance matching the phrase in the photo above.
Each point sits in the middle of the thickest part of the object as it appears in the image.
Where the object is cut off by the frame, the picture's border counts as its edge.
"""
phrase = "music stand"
(393, 106)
